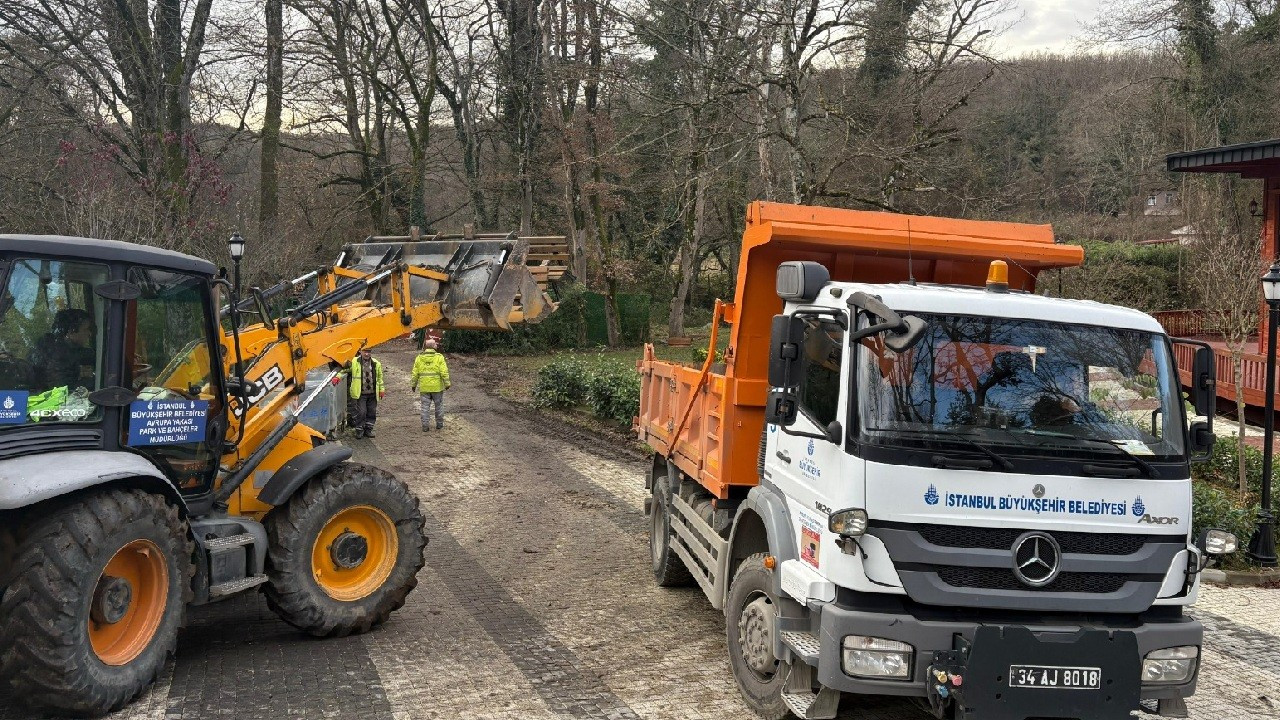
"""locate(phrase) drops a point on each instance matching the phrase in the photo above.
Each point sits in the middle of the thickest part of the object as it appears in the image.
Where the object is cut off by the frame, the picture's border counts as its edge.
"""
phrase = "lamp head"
(1271, 284)
(236, 245)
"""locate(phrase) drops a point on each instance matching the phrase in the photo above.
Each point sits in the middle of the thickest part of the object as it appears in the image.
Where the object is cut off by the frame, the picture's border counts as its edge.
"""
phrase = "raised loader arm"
(377, 291)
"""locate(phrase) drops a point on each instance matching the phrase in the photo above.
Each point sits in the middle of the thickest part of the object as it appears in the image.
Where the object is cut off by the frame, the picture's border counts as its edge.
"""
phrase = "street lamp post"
(1262, 548)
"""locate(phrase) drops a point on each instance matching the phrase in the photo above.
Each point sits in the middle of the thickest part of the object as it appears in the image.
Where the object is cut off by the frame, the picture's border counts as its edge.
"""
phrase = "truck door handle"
(783, 456)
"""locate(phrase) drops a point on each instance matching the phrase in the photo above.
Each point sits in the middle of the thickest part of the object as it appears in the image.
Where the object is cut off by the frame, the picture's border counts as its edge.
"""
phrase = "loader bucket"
(490, 283)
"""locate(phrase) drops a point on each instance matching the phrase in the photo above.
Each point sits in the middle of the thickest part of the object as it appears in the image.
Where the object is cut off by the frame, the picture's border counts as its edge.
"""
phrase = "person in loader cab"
(365, 387)
(430, 380)
(65, 357)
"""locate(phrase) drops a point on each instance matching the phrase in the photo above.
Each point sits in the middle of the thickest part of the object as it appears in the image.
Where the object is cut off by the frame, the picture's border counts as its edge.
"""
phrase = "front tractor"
(151, 459)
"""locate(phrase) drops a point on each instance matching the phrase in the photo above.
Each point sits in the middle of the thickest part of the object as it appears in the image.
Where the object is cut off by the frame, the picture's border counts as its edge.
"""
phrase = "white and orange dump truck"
(908, 474)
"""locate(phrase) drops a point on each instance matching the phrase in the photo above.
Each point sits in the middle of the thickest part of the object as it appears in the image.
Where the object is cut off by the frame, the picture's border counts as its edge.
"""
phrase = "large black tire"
(294, 591)
(48, 656)
(668, 569)
(751, 592)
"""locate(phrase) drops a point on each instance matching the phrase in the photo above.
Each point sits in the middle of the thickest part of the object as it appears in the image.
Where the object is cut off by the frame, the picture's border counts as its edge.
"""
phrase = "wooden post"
(1270, 243)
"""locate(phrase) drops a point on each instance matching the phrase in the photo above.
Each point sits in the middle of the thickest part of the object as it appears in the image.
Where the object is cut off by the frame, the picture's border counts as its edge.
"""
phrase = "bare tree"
(1228, 264)
(124, 73)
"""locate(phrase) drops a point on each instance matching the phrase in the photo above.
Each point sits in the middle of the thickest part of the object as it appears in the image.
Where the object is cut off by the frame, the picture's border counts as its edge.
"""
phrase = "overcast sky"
(1045, 26)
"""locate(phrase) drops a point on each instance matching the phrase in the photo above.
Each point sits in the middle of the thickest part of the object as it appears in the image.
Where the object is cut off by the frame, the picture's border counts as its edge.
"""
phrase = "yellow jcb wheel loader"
(152, 458)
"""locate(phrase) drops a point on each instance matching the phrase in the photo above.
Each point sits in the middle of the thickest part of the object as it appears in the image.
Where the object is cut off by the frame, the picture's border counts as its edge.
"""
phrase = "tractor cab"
(107, 346)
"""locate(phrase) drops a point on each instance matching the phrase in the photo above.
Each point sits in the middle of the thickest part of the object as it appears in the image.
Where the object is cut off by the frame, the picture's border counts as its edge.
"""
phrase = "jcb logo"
(271, 379)
(1158, 520)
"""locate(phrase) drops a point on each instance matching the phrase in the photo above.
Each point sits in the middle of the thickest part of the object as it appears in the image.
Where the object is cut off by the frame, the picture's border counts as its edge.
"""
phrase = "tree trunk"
(695, 216)
(269, 187)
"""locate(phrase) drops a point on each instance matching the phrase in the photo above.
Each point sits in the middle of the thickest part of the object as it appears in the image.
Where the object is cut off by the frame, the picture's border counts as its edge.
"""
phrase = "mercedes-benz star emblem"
(1036, 559)
(1038, 490)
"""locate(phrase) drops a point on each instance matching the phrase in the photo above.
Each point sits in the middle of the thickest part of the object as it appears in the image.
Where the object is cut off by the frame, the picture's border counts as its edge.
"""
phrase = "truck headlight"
(1170, 665)
(874, 657)
(849, 523)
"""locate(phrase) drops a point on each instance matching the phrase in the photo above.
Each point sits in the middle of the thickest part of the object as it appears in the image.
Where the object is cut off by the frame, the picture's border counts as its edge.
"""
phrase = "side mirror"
(835, 432)
(780, 408)
(1204, 382)
(1200, 440)
(911, 333)
(784, 351)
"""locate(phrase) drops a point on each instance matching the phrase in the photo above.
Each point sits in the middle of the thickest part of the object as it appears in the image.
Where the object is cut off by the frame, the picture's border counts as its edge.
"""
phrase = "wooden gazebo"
(1255, 160)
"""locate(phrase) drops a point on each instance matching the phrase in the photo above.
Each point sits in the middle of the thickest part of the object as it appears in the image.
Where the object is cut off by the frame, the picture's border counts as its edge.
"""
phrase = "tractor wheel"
(668, 569)
(751, 616)
(345, 551)
(96, 596)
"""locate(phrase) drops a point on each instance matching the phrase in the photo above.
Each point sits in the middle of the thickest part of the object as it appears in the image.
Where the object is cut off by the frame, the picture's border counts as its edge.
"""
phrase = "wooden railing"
(1184, 323)
(1253, 373)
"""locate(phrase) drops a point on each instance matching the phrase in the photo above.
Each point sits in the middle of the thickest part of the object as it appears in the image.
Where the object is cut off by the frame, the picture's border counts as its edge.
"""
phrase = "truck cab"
(994, 456)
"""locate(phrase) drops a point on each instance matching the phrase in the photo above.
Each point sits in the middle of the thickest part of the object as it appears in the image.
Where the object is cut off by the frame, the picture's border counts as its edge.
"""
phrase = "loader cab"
(111, 346)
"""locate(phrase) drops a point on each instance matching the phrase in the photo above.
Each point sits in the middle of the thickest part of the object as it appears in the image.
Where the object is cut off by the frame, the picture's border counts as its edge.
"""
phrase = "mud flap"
(978, 680)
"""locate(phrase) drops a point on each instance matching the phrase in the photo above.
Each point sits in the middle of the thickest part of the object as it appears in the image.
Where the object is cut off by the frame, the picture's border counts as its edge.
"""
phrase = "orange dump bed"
(708, 420)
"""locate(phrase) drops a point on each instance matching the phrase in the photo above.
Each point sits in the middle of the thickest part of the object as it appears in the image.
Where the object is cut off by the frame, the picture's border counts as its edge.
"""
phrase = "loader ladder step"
(235, 586)
(803, 644)
(226, 543)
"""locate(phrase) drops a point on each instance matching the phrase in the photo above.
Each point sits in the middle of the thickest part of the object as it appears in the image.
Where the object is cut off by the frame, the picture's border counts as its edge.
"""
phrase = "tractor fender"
(763, 512)
(299, 469)
(30, 479)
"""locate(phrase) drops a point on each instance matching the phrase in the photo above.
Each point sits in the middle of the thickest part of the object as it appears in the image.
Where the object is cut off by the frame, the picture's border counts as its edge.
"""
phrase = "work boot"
(439, 426)
(358, 432)
(368, 432)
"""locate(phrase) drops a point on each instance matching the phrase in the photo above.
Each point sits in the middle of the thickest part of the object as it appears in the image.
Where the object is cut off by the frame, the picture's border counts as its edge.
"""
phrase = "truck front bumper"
(929, 636)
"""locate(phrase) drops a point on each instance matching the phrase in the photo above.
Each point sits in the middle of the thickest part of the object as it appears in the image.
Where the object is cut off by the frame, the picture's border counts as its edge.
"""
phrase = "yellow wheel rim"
(355, 553)
(128, 603)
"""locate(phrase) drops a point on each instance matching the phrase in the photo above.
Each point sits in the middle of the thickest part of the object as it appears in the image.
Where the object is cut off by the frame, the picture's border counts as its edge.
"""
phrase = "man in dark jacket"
(365, 387)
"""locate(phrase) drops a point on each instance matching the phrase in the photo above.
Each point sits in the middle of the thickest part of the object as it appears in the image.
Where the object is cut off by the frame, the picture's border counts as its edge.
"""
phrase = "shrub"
(700, 355)
(610, 390)
(1221, 469)
(561, 383)
(1214, 507)
(613, 392)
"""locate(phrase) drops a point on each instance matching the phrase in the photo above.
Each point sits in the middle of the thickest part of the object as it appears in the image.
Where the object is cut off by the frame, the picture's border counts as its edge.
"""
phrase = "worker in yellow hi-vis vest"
(430, 380)
(365, 387)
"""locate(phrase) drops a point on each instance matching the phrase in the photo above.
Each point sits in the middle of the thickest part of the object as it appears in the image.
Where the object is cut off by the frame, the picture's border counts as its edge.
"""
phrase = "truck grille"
(1001, 579)
(1071, 542)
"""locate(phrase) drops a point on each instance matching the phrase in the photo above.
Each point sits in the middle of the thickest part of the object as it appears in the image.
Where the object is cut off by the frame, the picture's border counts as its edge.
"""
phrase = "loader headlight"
(1170, 665)
(873, 657)
(850, 523)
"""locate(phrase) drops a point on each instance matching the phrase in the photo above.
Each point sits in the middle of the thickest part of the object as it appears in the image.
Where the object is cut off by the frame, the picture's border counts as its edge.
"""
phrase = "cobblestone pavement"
(537, 601)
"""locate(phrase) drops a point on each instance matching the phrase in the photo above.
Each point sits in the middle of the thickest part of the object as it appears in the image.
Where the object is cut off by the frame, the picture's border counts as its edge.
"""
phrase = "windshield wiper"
(1146, 466)
(995, 457)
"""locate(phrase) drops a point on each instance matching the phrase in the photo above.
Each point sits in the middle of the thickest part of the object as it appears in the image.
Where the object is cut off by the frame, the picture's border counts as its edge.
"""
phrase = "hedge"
(610, 390)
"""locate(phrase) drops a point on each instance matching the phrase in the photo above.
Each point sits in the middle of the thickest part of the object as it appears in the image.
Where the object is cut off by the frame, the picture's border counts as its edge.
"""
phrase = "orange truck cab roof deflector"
(718, 438)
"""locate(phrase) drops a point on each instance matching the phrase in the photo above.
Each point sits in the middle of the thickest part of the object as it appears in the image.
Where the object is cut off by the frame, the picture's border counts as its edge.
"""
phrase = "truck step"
(800, 698)
(804, 645)
(813, 706)
(226, 543)
(235, 586)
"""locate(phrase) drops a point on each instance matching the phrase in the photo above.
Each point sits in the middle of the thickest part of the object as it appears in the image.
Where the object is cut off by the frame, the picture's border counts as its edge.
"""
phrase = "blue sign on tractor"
(13, 406)
(167, 422)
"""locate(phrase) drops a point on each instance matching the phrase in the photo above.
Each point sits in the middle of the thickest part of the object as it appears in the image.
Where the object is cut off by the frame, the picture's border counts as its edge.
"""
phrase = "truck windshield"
(1026, 387)
(51, 341)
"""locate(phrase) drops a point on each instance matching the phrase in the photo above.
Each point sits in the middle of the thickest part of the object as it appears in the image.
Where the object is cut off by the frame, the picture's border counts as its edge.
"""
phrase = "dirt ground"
(537, 599)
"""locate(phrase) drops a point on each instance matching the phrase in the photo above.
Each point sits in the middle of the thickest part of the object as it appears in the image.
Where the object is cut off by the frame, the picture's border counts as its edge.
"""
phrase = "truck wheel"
(751, 622)
(345, 551)
(96, 598)
(668, 568)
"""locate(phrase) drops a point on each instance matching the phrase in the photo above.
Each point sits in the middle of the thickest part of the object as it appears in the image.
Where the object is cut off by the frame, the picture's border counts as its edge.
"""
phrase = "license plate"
(1055, 677)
